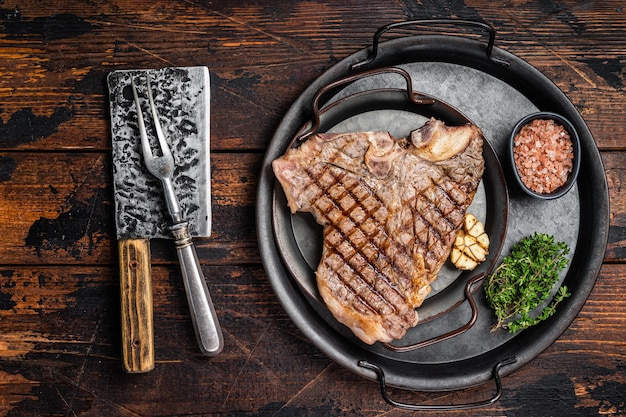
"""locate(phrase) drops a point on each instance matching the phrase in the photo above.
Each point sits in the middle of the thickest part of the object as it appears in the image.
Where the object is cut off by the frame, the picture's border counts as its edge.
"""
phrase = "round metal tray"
(299, 238)
(494, 89)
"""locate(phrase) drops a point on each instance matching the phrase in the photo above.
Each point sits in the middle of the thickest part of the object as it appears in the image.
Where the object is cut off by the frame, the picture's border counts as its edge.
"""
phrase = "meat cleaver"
(183, 103)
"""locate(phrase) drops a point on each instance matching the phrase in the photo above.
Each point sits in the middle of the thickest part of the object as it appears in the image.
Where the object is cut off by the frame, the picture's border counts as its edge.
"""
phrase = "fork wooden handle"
(136, 305)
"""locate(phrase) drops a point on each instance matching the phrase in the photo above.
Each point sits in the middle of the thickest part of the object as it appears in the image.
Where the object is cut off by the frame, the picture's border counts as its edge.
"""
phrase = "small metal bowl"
(575, 145)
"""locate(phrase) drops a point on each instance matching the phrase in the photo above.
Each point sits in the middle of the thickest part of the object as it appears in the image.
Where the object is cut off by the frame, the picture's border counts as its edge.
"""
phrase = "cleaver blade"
(183, 103)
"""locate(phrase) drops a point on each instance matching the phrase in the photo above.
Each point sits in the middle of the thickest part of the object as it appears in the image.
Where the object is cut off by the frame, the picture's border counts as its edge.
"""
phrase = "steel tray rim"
(530, 343)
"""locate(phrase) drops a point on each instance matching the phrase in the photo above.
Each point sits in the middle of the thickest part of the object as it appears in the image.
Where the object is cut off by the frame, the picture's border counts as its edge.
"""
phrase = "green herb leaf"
(523, 282)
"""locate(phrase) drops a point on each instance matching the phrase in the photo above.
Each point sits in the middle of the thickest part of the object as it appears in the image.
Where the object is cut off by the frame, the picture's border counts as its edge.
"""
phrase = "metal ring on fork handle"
(431, 407)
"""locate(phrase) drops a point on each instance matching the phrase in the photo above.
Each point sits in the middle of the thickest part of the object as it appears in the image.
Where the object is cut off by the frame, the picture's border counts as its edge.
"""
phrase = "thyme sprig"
(524, 280)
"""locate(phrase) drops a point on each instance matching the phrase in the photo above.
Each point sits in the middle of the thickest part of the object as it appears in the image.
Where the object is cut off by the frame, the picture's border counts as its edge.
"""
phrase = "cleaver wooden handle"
(136, 305)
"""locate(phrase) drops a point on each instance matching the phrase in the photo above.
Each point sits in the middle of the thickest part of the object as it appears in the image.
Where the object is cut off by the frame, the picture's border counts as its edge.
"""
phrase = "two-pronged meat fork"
(205, 323)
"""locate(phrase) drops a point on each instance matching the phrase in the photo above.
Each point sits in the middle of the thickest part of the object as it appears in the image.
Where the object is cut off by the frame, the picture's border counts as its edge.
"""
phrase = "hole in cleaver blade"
(182, 98)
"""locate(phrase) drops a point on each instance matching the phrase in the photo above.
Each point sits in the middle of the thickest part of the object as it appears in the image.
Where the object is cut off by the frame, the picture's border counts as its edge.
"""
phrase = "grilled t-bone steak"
(391, 209)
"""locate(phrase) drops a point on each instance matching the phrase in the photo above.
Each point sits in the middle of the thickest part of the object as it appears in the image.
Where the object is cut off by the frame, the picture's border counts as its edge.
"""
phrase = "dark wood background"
(59, 296)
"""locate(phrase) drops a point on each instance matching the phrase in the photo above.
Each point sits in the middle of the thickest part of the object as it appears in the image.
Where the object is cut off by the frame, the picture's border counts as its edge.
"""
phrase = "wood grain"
(136, 305)
(272, 366)
(60, 334)
(69, 216)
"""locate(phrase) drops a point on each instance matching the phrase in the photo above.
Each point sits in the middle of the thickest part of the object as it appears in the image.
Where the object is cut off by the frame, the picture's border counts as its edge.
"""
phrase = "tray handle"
(460, 330)
(431, 407)
(351, 78)
(481, 25)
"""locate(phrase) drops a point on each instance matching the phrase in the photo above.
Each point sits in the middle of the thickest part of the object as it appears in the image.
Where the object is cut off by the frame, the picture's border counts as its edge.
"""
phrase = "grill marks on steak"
(390, 210)
(362, 266)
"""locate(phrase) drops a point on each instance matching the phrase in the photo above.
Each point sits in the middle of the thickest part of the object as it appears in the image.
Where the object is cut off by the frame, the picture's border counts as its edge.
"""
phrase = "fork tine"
(145, 144)
(165, 149)
(161, 166)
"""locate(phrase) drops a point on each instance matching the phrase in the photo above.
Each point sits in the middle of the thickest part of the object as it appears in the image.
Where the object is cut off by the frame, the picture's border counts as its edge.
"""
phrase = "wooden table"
(59, 288)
